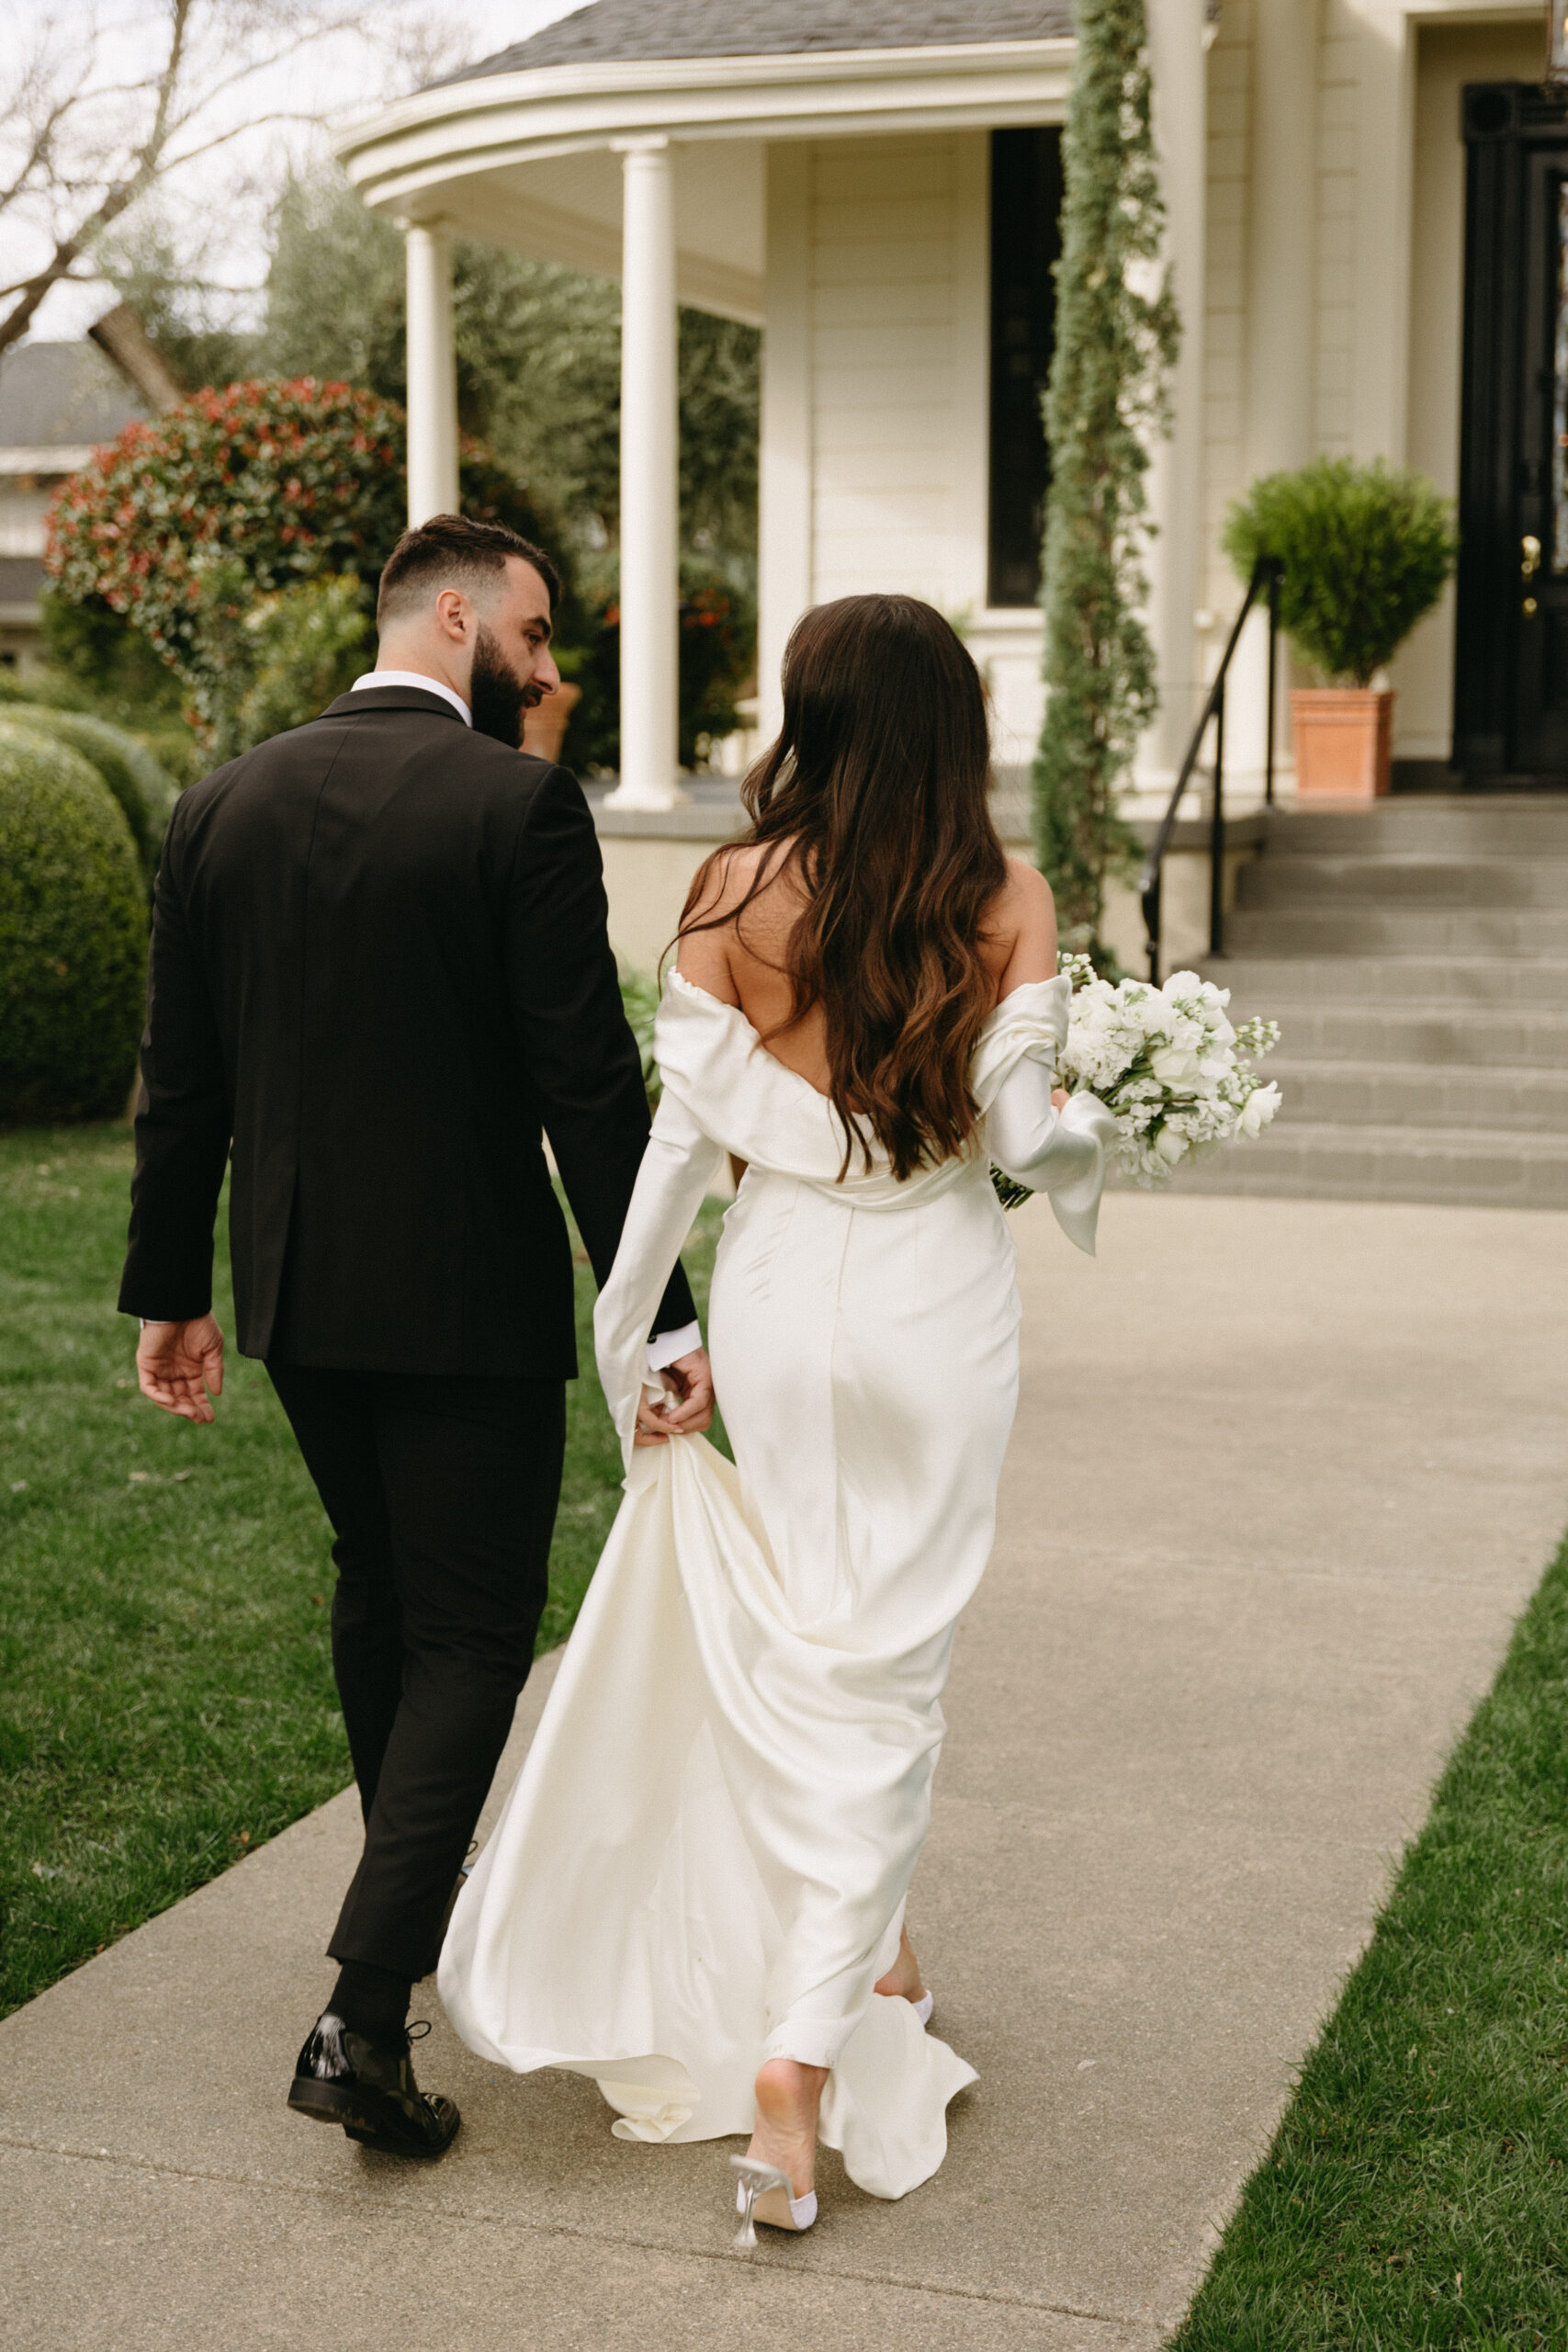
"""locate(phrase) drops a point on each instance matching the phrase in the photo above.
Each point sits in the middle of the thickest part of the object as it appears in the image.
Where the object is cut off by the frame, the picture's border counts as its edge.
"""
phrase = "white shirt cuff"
(669, 1346)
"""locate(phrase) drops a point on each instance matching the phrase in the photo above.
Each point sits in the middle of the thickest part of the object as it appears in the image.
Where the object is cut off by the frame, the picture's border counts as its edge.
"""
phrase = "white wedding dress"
(704, 1861)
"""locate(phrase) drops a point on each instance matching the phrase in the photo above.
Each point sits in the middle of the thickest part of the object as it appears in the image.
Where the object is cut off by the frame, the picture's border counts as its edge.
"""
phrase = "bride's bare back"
(741, 960)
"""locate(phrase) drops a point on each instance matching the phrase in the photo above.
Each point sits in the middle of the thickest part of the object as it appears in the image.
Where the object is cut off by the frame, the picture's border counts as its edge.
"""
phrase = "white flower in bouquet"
(1176, 1077)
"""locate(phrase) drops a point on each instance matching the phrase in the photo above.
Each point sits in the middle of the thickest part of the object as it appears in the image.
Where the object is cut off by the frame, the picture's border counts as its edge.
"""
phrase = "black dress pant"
(442, 1495)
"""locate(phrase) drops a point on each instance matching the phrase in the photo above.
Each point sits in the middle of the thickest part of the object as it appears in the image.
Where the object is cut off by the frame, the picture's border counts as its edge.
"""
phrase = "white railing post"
(431, 374)
(650, 517)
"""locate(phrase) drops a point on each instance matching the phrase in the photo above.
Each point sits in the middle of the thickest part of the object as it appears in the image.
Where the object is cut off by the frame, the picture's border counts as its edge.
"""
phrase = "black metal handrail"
(1265, 576)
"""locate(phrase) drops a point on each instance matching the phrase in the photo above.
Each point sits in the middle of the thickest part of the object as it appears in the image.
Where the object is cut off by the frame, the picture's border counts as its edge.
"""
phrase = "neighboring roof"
(618, 30)
(55, 395)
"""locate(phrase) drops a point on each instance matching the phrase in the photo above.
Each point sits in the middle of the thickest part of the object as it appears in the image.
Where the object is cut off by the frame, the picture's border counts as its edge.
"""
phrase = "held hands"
(688, 1401)
(1060, 1098)
(179, 1363)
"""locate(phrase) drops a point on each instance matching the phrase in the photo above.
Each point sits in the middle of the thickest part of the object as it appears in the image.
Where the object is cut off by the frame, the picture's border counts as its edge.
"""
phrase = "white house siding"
(1334, 293)
(898, 307)
(1225, 308)
(1386, 342)
(889, 341)
(887, 393)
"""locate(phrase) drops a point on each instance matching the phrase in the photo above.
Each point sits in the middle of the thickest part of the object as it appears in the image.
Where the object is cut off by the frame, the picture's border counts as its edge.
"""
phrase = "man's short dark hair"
(451, 552)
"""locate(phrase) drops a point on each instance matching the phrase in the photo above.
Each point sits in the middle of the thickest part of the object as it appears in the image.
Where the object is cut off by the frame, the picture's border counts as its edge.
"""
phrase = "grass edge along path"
(166, 1697)
(1416, 2190)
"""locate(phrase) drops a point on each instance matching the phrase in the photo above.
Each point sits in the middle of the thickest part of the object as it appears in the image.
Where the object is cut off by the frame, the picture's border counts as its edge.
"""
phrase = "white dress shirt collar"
(415, 678)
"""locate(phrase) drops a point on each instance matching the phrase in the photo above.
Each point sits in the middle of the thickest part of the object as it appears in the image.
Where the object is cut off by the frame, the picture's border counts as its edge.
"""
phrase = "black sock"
(372, 2001)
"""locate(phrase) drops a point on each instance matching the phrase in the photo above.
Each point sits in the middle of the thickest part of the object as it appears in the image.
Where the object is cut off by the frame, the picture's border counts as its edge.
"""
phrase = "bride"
(695, 1892)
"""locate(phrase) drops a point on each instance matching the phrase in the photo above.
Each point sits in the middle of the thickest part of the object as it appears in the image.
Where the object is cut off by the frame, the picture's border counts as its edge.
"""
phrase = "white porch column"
(432, 373)
(1176, 477)
(784, 489)
(650, 486)
(1280, 274)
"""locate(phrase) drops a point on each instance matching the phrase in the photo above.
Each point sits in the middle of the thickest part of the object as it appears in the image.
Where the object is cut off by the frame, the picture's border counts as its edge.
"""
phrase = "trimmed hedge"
(73, 936)
(142, 785)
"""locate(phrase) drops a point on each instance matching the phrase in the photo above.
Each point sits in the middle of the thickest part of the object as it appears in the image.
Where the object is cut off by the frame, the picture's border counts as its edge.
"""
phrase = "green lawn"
(1418, 2191)
(166, 1696)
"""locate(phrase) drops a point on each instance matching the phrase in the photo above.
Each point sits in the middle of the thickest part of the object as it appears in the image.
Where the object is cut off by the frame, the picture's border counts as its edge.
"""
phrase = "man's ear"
(454, 614)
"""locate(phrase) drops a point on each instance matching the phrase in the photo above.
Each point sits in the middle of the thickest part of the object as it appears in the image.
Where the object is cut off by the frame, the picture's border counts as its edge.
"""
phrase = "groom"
(379, 969)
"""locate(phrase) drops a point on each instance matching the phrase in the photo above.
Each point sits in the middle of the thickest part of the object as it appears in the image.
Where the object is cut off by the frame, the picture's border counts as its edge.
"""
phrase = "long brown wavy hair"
(875, 795)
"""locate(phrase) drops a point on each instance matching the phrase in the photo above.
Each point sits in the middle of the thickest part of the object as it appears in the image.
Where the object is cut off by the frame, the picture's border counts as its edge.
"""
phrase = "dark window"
(1026, 237)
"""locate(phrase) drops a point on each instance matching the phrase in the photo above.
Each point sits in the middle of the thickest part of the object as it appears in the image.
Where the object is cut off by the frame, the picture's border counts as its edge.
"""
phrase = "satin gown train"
(704, 1861)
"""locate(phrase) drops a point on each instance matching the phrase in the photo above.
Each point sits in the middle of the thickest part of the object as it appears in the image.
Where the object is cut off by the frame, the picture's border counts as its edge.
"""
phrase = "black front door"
(1511, 652)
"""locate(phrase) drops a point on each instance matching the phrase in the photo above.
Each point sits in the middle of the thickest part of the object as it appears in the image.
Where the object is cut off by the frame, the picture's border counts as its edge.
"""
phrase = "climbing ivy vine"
(1107, 397)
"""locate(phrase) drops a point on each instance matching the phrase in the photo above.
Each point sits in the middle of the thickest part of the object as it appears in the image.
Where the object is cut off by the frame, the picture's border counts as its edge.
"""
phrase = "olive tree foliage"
(103, 103)
(1107, 397)
(539, 352)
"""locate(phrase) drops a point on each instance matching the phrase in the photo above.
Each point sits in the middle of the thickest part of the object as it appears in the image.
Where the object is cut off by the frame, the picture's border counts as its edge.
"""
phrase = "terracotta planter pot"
(544, 727)
(1343, 742)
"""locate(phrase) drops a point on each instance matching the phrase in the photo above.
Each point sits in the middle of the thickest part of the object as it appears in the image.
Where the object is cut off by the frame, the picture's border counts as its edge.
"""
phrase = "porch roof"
(521, 150)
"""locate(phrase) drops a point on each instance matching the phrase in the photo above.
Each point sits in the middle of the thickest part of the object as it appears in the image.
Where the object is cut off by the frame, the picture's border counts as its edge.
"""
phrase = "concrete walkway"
(1283, 1474)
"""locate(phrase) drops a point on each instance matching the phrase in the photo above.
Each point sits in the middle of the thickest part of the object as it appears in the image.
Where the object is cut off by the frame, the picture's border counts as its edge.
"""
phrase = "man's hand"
(688, 1405)
(179, 1363)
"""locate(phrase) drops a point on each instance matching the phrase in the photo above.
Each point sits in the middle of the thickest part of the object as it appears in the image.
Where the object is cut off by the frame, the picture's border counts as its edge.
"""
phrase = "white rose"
(1170, 1146)
(1258, 1110)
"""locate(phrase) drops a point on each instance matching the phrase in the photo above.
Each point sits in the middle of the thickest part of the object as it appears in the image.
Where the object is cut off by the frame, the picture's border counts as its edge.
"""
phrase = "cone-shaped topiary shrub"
(73, 936)
(1366, 550)
(144, 788)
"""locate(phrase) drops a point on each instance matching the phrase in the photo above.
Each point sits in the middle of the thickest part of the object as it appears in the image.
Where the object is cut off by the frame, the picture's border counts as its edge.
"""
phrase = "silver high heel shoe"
(763, 2194)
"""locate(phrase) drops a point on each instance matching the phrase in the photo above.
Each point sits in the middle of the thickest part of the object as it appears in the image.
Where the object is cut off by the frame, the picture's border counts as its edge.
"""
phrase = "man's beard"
(497, 696)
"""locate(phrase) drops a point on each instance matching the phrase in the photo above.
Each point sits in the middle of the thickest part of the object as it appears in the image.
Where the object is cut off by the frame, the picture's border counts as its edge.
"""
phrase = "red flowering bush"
(235, 495)
(716, 645)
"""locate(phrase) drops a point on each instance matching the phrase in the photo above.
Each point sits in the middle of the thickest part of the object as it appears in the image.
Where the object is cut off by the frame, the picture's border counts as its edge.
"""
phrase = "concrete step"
(1378, 1031)
(1264, 981)
(1480, 824)
(1397, 883)
(1373, 930)
(1478, 1168)
(1416, 1094)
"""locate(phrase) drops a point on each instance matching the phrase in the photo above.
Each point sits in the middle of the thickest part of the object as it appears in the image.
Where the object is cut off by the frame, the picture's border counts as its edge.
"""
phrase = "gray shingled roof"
(614, 29)
(56, 395)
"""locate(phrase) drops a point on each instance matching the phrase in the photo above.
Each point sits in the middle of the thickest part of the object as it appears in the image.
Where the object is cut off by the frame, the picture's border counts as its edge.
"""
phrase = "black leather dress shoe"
(340, 2078)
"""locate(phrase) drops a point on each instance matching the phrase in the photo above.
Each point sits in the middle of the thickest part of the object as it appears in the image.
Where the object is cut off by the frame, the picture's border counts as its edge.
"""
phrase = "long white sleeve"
(1063, 1153)
(677, 1170)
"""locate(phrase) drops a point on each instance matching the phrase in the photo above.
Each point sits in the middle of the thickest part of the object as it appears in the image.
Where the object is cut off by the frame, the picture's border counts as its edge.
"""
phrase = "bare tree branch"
(238, 131)
(83, 151)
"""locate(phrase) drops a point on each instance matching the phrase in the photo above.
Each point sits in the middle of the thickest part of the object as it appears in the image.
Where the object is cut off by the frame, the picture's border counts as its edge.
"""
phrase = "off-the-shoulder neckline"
(692, 988)
(706, 996)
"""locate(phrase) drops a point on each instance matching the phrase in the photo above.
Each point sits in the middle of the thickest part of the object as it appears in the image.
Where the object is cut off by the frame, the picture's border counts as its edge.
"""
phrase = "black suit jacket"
(379, 968)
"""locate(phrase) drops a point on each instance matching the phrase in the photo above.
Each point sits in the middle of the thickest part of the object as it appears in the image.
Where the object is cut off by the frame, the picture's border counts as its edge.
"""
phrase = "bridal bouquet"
(1167, 1062)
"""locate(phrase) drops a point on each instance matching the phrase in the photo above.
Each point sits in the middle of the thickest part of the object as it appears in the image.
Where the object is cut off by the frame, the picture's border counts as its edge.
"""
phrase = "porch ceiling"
(528, 159)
